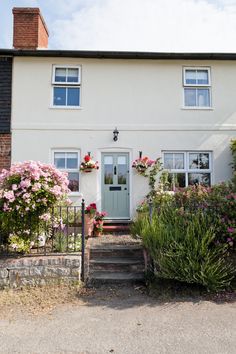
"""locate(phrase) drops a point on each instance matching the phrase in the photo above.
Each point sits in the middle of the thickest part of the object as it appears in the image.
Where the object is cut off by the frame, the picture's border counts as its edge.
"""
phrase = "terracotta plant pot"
(88, 224)
(98, 233)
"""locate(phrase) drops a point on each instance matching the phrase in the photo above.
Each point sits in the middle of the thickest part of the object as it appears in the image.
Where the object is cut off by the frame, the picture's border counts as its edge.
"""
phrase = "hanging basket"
(88, 170)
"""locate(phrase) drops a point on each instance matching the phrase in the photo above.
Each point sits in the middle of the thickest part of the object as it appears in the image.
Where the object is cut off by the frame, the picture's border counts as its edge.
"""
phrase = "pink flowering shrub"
(27, 192)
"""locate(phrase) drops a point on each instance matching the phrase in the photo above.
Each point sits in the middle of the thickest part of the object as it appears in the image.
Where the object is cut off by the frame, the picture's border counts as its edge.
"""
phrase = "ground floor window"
(188, 168)
(68, 161)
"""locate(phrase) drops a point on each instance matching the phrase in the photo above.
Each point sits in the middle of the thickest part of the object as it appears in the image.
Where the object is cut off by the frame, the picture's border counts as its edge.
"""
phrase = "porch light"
(140, 154)
(115, 134)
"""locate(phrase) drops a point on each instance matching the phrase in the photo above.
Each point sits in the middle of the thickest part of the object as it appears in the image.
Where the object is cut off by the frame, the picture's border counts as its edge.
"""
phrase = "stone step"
(99, 278)
(117, 265)
(116, 251)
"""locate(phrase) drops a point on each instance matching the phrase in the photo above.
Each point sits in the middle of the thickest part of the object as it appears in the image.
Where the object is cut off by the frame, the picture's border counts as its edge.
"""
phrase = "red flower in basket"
(88, 164)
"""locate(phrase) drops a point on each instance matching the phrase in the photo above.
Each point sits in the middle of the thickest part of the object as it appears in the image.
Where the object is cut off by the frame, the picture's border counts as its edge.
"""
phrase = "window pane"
(179, 161)
(73, 75)
(59, 96)
(60, 75)
(202, 77)
(203, 97)
(168, 161)
(73, 181)
(72, 160)
(190, 97)
(59, 160)
(190, 77)
(199, 178)
(199, 161)
(177, 180)
(73, 96)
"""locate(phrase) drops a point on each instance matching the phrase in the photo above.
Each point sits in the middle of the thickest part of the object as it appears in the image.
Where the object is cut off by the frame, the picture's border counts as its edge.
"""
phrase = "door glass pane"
(190, 97)
(199, 178)
(60, 159)
(122, 169)
(60, 75)
(73, 181)
(108, 169)
(203, 97)
(169, 161)
(59, 96)
(73, 75)
(73, 96)
(72, 160)
(179, 161)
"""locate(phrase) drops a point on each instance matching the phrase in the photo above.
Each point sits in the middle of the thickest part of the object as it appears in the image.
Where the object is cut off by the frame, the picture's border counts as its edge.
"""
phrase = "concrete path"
(123, 320)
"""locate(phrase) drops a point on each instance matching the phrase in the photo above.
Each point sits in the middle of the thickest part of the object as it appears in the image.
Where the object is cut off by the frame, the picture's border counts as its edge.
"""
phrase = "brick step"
(99, 278)
(115, 228)
(117, 265)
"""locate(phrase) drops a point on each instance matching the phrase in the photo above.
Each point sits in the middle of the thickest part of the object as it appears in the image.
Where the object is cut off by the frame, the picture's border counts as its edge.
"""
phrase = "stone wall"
(39, 270)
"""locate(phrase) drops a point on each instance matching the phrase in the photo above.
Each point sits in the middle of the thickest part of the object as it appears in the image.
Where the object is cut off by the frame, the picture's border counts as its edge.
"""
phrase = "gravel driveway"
(122, 320)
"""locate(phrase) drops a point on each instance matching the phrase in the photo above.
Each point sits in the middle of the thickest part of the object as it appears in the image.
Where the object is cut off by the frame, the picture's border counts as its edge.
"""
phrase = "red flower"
(87, 158)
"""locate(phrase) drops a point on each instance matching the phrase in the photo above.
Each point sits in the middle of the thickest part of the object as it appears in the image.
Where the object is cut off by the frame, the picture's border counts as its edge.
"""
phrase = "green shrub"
(217, 202)
(185, 249)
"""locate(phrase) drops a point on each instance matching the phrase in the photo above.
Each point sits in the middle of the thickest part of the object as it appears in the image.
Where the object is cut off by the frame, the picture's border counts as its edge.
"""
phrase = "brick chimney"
(29, 29)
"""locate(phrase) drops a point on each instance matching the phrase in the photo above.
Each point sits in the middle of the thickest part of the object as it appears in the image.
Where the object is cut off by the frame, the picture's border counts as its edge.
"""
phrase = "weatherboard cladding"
(5, 94)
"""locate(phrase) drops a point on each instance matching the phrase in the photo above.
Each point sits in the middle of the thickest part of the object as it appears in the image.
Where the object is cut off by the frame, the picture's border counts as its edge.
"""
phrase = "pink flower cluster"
(31, 186)
(143, 163)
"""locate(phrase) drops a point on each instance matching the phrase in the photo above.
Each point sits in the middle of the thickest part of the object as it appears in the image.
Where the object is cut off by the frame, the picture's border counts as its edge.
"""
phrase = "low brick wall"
(39, 270)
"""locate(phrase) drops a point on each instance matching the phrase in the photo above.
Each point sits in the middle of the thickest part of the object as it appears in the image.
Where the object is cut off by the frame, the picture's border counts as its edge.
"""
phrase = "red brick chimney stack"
(29, 29)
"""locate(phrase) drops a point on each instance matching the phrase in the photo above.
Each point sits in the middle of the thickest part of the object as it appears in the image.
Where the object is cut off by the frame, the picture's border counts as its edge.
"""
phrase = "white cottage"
(180, 106)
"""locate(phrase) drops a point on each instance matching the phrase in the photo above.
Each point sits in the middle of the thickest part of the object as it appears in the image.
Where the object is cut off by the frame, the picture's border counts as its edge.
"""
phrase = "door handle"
(125, 189)
(115, 170)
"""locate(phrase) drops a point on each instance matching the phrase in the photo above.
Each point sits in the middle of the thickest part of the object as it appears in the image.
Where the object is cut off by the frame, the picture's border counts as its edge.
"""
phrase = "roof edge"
(117, 54)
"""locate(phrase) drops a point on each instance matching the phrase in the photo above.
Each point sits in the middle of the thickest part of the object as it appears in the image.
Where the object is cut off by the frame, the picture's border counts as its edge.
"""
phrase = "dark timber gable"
(5, 94)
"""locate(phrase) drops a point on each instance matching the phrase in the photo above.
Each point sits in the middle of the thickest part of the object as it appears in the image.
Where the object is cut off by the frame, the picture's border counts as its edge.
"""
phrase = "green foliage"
(70, 243)
(184, 249)
(233, 150)
(140, 223)
(217, 202)
(152, 176)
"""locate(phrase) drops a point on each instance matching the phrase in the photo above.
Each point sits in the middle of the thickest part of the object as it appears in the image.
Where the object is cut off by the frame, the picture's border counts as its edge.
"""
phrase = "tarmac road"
(124, 321)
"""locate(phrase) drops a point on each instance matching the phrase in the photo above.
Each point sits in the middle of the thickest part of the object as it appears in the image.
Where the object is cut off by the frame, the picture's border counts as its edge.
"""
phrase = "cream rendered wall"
(143, 98)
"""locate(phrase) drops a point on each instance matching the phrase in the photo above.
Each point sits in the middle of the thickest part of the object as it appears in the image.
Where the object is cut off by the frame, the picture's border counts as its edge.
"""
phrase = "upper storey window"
(197, 87)
(66, 83)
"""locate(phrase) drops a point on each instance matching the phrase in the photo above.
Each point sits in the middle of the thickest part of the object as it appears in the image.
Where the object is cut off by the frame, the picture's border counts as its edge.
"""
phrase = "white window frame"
(186, 169)
(197, 86)
(77, 170)
(66, 85)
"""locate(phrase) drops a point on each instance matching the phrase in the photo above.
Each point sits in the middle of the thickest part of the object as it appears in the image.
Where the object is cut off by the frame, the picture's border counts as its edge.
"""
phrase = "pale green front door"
(115, 185)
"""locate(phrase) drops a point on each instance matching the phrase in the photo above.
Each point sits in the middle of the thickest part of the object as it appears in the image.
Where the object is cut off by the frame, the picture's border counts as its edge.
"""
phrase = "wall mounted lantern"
(115, 134)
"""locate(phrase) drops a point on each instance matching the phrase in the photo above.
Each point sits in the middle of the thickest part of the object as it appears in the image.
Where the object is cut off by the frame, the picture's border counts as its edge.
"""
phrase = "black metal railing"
(59, 231)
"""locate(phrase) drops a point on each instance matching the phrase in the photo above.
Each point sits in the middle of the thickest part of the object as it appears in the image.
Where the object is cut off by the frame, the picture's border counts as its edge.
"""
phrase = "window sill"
(198, 108)
(66, 107)
(76, 194)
